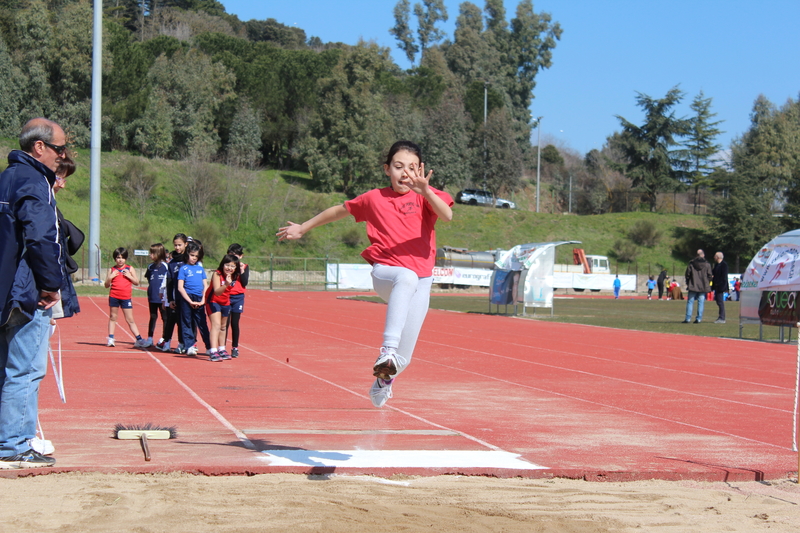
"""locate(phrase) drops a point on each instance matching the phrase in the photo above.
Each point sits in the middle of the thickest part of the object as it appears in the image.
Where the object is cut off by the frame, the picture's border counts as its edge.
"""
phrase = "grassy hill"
(248, 207)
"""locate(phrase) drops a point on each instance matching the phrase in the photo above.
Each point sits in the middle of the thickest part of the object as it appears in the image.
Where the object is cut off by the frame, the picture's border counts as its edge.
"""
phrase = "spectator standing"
(651, 284)
(661, 279)
(720, 285)
(698, 278)
(31, 274)
(617, 287)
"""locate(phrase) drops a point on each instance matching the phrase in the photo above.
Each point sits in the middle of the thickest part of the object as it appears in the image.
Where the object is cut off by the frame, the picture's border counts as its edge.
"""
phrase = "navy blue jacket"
(30, 249)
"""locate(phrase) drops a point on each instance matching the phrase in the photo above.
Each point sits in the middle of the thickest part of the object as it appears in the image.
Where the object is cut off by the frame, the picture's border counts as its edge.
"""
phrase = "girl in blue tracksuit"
(192, 287)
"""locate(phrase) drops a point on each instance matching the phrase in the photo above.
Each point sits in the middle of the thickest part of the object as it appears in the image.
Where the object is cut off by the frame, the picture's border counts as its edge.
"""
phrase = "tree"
(446, 136)
(743, 221)
(9, 94)
(647, 147)
(428, 16)
(700, 145)
(34, 35)
(765, 169)
(350, 127)
(504, 158)
(194, 87)
(402, 31)
(245, 138)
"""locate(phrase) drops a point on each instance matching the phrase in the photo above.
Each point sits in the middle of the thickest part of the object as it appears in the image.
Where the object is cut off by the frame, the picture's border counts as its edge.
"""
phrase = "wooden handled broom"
(143, 434)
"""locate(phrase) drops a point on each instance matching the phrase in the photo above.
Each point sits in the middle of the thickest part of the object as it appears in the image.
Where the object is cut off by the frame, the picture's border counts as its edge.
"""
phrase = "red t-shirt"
(400, 228)
(121, 287)
(237, 287)
(221, 299)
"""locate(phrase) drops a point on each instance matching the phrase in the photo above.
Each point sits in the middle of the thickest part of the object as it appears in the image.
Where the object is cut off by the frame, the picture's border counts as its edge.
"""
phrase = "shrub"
(644, 233)
(625, 251)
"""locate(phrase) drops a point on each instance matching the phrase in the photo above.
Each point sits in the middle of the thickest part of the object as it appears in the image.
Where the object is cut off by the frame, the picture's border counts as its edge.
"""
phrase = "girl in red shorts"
(120, 279)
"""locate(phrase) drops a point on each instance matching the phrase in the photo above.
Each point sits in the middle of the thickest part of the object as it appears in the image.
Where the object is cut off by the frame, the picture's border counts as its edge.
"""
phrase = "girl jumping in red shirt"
(400, 227)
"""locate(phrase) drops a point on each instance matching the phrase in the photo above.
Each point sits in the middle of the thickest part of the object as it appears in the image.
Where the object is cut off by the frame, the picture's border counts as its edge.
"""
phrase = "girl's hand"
(292, 232)
(416, 179)
(229, 279)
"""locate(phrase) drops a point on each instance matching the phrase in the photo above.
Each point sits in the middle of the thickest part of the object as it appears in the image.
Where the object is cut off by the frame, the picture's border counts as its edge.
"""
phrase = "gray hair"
(37, 129)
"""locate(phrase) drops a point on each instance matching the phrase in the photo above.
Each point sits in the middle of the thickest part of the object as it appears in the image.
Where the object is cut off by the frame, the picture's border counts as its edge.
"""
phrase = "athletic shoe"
(697, 321)
(234, 352)
(719, 321)
(210, 351)
(163, 346)
(148, 343)
(215, 357)
(386, 365)
(180, 349)
(140, 343)
(44, 447)
(29, 459)
(192, 350)
(380, 392)
(110, 342)
(224, 355)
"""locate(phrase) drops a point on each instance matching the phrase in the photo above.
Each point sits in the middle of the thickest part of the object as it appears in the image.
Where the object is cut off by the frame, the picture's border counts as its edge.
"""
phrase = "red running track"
(487, 395)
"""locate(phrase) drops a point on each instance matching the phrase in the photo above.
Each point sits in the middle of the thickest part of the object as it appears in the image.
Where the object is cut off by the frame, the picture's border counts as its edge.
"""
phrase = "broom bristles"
(173, 431)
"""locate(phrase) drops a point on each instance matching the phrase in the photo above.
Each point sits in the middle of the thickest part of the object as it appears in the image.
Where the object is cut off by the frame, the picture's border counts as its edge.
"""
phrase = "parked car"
(480, 197)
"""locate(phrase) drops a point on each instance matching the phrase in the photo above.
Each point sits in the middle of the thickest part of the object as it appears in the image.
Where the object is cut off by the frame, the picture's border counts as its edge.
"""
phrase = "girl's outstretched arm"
(295, 231)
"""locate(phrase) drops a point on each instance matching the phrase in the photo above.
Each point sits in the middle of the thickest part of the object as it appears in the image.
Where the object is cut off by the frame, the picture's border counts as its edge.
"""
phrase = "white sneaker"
(44, 447)
(386, 365)
(140, 343)
(163, 346)
(380, 393)
(110, 342)
(192, 350)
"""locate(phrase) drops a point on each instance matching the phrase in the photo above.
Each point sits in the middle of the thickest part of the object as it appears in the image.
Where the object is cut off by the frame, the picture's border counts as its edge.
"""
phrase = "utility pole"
(538, 157)
(94, 165)
(485, 114)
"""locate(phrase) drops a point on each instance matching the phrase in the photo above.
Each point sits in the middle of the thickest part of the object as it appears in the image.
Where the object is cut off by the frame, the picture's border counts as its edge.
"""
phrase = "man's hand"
(48, 299)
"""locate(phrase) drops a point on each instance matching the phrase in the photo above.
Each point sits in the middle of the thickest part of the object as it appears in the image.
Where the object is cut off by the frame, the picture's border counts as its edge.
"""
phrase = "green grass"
(639, 314)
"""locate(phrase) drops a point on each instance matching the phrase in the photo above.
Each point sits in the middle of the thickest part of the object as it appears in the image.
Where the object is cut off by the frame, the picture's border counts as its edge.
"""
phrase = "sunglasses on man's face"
(56, 148)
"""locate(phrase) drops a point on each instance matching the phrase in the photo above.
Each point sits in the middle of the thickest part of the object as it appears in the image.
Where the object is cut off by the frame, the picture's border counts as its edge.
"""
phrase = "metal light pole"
(485, 109)
(538, 157)
(94, 167)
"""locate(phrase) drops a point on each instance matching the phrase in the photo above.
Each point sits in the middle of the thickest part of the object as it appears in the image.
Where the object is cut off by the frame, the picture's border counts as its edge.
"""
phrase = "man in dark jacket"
(698, 284)
(720, 285)
(662, 277)
(31, 274)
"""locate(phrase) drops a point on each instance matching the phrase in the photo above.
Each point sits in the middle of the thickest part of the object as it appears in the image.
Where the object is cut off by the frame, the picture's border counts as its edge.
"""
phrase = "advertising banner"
(779, 308)
(480, 277)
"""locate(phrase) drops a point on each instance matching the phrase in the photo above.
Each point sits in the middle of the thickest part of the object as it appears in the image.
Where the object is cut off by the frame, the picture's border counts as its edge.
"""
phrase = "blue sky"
(732, 50)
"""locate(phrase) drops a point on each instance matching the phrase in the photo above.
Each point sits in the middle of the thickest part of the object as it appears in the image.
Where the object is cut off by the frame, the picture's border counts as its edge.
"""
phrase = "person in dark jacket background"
(698, 284)
(662, 277)
(31, 274)
(720, 285)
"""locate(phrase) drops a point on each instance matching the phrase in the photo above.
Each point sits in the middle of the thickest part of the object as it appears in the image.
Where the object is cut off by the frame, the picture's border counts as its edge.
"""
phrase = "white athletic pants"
(407, 296)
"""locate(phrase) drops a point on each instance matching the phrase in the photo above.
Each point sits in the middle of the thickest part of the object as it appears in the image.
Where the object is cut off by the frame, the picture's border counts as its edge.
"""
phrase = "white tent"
(536, 261)
(771, 281)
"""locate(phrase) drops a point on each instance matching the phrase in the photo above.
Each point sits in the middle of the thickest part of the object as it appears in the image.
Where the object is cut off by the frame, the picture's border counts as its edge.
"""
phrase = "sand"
(177, 503)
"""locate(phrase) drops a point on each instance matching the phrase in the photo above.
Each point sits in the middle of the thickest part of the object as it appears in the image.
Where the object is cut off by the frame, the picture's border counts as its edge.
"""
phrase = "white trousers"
(408, 297)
